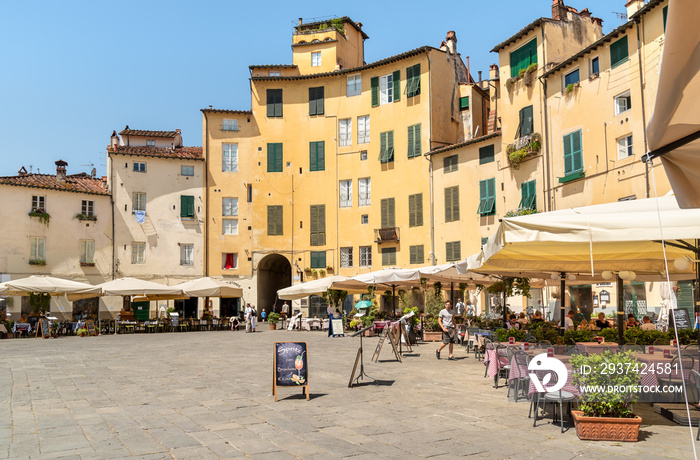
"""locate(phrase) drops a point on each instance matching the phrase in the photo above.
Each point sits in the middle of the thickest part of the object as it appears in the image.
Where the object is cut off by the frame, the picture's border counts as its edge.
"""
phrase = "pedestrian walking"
(247, 315)
(460, 307)
(253, 317)
(449, 336)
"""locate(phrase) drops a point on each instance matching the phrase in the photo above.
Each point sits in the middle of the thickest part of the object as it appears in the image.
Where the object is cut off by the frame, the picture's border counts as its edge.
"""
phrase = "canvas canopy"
(589, 240)
(318, 286)
(209, 287)
(674, 128)
(137, 287)
(49, 284)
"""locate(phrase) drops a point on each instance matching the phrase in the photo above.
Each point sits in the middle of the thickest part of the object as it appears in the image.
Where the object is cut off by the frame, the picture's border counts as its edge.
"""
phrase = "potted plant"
(606, 415)
(44, 217)
(82, 332)
(272, 319)
(431, 330)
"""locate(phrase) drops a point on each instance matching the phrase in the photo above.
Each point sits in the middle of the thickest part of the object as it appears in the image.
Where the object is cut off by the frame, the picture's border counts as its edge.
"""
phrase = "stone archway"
(274, 272)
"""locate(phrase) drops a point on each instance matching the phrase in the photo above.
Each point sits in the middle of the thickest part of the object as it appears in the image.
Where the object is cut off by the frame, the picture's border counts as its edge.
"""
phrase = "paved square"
(207, 395)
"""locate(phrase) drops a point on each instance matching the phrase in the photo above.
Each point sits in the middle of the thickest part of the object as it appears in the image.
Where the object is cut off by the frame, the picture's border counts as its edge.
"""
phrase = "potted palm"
(606, 415)
(272, 319)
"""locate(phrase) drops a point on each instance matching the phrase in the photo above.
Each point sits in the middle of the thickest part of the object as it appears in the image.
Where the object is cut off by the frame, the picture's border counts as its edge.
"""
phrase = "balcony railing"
(388, 234)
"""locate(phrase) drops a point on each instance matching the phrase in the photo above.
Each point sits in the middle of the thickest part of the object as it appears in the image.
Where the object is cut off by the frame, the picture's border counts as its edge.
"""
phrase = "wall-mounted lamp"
(624, 275)
(555, 277)
(683, 263)
(571, 277)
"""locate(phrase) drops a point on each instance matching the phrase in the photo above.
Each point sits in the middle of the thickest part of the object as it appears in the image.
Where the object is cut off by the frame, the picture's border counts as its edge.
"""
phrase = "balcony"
(386, 235)
(523, 148)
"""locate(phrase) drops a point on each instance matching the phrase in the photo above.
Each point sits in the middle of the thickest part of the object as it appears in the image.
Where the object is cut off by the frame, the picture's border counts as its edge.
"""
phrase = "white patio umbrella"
(137, 287)
(674, 128)
(49, 284)
(318, 286)
(209, 287)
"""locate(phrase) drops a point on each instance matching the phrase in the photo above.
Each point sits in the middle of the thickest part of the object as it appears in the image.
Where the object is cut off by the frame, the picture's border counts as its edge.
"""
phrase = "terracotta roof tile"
(78, 183)
(146, 133)
(243, 112)
(190, 153)
(475, 140)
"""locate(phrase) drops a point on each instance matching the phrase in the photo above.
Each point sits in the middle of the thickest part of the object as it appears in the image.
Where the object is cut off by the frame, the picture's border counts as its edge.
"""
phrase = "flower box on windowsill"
(44, 217)
(85, 217)
(87, 264)
(37, 262)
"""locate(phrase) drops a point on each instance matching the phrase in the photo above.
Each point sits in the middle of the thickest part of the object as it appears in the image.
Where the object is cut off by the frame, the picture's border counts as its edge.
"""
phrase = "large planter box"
(432, 336)
(606, 428)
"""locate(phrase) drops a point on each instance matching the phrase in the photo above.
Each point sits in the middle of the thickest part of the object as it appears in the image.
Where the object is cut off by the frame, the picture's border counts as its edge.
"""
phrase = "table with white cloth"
(308, 324)
(22, 327)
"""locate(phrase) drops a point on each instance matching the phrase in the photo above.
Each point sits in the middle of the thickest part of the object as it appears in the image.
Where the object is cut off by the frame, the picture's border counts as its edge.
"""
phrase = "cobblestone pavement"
(207, 395)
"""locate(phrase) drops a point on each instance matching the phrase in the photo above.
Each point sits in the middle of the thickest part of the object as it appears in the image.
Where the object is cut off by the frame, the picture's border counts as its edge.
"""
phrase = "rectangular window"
(354, 85)
(452, 204)
(453, 251)
(346, 257)
(450, 164)
(274, 220)
(416, 254)
(186, 254)
(487, 197)
(317, 156)
(316, 106)
(87, 251)
(138, 201)
(386, 147)
(573, 156)
(230, 260)
(388, 256)
(139, 166)
(624, 147)
(249, 193)
(230, 227)
(138, 252)
(316, 59)
(345, 131)
(364, 219)
(571, 78)
(623, 103)
(415, 210)
(365, 256)
(229, 207)
(150, 143)
(37, 250)
(389, 88)
(364, 187)
(229, 157)
(229, 125)
(273, 73)
(619, 52)
(318, 259)
(186, 170)
(528, 195)
(187, 206)
(274, 157)
(274, 103)
(525, 125)
(388, 210)
(363, 155)
(87, 208)
(318, 225)
(521, 58)
(464, 103)
(413, 81)
(486, 154)
(414, 141)
(363, 129)
(346, 193)
(38, 203)
(595, 66)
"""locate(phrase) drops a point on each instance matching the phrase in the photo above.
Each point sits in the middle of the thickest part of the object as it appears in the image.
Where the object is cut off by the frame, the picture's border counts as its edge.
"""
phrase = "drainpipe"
(111, 198)
(644, 117)
(206, 195)
(548, 178)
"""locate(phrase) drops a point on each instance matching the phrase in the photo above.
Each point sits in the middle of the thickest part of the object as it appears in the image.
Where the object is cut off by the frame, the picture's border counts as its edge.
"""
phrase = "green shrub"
(546, 331)
(273, 317)
(580, 335)
(503, 334)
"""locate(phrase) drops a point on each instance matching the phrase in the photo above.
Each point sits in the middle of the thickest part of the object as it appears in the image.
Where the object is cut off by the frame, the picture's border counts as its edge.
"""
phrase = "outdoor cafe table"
(310, 323)
(21, 326)
(490, 357)
(673, 349)
(378, 326)
(595, 347)
(568, 387)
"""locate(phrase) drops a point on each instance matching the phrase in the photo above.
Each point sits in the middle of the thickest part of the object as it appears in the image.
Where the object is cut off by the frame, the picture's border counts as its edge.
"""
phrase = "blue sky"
(74, 71)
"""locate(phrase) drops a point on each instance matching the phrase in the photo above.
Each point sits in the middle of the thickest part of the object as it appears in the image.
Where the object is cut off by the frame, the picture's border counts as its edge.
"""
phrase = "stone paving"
(203, 395)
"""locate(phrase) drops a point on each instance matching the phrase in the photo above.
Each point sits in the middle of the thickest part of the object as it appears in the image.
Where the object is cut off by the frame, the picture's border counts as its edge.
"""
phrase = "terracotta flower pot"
(432, 336)
(273, 326)
(606, 428)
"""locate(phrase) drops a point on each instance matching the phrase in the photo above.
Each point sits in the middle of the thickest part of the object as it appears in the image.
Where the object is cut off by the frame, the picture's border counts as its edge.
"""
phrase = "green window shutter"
(386, 146)
(452, 204)
(278, 220)
(374, 82)
(491, 193)
(312, 101)
(384, 212)
(416, 140)
(313, 225)
(409, 80)
(464, 103)
(448, 204)
(410, 142)
(186, 206)
(320, 96)
(448, 251)
(322, 225)
(270, 103)
(450, 164)
(665, 11)
(455, 202)
(528, 195)
(318, 259)
(523, 57)
(274, 157)
(391, 213)
(321, 155)
(568, 157)
(619, 52)
(419, 210)
(390, 145)
(482, 197)
(388, 256)
(526, 121)
(415, 210)
(577, 151)
(388, 210)
(382, 148)
(453, 251)
(278, 104)
(397, 85)
(274, 220)
(416, 80)
(312, 157)
(486, 154)
(416, 254)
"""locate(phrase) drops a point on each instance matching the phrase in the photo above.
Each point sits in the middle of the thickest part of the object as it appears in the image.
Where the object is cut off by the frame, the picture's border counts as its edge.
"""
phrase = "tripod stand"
(359, 358)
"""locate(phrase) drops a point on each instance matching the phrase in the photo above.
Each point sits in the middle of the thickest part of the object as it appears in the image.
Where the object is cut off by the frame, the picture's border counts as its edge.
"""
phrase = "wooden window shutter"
(412, 210)
(321, 155)
(576, 151)
(455, 202)
(416, 140)
(270, 103)
(374, 83)
(322, 225)
(320, 96)
(448, 204)
(568, 155)
(410, 142)
(278, 220)
(271, 220)
(397, 85)
(390, 144)
(419, 210)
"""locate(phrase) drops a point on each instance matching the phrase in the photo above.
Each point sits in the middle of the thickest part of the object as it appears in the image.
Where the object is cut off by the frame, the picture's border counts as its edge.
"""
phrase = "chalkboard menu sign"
(44, 329)
(290, 367)
(90, 325)
(680, 317)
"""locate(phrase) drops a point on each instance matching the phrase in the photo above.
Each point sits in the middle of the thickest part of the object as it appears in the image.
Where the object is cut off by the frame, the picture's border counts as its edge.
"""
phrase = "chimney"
(451, 42)
(558, 10)
(633, 6)
(61, 171)
(480, 76)
(22, 171)
(299, 21)
(493, 72)
(585, 13)
(114, 140)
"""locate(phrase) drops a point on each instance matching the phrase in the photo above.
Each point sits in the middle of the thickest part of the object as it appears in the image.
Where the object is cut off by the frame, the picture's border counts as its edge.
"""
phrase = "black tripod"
(359, 358)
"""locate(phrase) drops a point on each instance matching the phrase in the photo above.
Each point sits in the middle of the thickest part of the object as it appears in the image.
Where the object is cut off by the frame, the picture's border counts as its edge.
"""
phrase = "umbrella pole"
(562, 301)
(505, 310)
(393, 297)
(620, 311)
